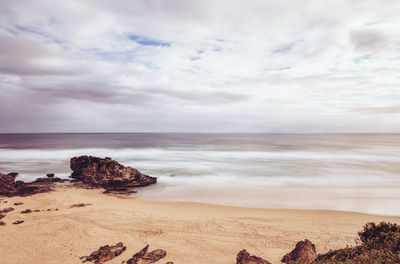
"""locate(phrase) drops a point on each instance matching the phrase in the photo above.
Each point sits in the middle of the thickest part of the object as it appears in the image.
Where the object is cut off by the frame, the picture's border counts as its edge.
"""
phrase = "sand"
(189, 232)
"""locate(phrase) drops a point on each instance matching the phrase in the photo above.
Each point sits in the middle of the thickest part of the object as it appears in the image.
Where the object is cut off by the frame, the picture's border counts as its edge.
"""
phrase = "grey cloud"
(21, 56)
(391, 109)
(368, 40)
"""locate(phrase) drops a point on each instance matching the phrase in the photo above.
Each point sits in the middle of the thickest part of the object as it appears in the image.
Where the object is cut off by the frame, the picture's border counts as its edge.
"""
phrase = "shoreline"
(190, 232)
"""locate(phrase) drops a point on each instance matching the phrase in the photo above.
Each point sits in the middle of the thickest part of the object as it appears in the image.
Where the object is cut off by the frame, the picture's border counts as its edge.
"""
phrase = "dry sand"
(189, 232)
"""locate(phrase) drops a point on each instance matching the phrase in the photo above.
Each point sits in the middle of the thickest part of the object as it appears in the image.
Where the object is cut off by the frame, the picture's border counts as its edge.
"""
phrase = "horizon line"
(204, 132)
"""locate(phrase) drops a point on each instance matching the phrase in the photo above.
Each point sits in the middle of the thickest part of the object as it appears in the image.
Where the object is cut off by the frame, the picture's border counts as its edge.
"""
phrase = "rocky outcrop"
(243, 257)
(107, 173)
(145, 257)
(304, 251)
(10, 187)
(105, 253)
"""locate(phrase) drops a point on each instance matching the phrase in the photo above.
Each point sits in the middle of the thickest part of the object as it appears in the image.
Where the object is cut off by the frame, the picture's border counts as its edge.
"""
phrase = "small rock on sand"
(243, 257)
(18, 222)
(144, 257)
(105, 253)
(7, 210)
(18, 203)
(79, 205)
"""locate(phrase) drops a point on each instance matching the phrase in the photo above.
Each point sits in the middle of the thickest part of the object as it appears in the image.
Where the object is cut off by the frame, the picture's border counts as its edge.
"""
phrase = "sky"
(257, 66)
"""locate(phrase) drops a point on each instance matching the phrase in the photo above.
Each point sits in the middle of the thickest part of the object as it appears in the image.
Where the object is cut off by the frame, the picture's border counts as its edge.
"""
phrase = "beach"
(189, 232)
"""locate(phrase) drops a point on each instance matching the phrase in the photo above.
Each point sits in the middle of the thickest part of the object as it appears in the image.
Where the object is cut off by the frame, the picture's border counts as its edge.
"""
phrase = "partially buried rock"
(107, 173)
(243, 257)
(144, 257)
(27, 211)
(2, 223)
(2, 216)
(105, 253)
(18, 222)
(78, 205)
(304, 251)
(18, 203)
(7, 210)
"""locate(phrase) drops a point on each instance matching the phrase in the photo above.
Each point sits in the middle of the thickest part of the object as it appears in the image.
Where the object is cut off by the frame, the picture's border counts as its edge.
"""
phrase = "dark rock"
(2, 223)
(13, 174)
(9, 187)
(107, 173)
(27, 211)
(119, 191)
(50, 175)
(37, 210)
(18, 203)
(243, 257)
(144, 257)
(2, 216)
(18, 222)
(6, 210)
(304, 251)
(78, 205)
(105, 253)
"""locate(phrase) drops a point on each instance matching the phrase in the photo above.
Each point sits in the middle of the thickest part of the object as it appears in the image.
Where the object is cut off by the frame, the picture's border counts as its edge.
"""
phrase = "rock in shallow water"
(107, 173)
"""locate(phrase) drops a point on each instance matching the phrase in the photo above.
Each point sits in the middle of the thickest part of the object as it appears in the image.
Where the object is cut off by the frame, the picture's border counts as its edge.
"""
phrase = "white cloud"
(241, 66)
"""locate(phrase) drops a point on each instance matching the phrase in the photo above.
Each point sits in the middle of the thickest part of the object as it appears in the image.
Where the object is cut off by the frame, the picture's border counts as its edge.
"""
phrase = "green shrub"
(380, 244)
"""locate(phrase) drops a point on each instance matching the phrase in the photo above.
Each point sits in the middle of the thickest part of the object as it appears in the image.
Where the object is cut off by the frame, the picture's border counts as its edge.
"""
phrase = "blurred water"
(355, 172)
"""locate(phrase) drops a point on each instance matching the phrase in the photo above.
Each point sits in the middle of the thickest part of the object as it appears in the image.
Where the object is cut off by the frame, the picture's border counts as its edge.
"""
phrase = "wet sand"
(189, 232)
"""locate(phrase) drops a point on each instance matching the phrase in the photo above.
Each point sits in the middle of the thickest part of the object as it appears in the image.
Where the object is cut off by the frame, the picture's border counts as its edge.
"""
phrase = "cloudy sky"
(199, 66)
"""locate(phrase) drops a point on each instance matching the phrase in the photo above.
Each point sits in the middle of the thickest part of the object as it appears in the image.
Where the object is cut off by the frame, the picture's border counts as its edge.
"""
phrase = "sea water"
(352, 172)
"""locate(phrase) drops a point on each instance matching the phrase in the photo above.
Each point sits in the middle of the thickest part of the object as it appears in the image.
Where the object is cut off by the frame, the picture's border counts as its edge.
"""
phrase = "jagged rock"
(105, 253)
(18, 222)
(304, 251)
(144, 257)
(18, 203)
(107, 173)
(10, 187)
(13, 174)
(7, 210)
(243, 257)
(27, 211)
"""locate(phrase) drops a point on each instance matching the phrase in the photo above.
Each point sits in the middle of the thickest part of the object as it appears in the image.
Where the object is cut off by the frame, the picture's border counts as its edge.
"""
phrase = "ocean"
(350, 172)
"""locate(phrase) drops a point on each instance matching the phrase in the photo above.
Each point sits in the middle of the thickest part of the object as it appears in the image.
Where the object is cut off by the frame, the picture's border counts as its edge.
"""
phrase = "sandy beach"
(189, 232)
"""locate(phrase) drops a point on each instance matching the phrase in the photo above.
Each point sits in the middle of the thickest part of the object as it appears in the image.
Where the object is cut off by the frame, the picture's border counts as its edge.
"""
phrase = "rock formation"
(10, 187)
(304, 251)
(144, 257)
(105, 253)
(243, 257)
(107, 173)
